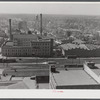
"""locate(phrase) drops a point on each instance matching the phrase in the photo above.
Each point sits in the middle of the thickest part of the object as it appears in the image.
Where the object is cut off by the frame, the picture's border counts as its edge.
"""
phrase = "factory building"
(81, 50)
(16, 51)
(33, 77)
(23, 39)
(42, 48)
(27, 45)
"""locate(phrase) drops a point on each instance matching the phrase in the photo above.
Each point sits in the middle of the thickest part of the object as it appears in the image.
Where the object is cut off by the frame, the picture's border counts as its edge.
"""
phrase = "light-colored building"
(75, 77)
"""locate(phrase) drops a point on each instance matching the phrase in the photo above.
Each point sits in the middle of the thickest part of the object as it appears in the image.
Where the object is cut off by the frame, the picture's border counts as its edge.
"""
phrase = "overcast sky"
(51, 8)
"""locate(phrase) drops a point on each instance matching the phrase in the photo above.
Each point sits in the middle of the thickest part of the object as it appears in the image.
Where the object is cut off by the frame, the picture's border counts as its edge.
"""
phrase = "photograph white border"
(33, 93)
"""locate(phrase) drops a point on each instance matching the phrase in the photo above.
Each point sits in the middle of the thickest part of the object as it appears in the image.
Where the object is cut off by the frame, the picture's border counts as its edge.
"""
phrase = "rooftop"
(19, 85)
(91, 46)
(9, 43)
(42, 40)
(43, 86)
(30, 83)
(78, 41)
(97, 69)
(69, 46)
(25, 36)
(73, 77)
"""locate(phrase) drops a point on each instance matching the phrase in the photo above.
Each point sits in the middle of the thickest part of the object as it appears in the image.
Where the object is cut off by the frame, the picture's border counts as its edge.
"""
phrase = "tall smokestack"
(10, 29)
(41, 24)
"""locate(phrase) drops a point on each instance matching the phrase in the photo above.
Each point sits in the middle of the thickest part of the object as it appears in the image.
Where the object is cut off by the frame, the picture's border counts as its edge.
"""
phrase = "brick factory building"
(42, 48)
(27, 46)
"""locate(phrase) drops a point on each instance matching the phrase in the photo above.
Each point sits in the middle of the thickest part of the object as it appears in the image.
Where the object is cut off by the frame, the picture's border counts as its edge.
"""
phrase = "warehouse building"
(40, 48)
(81, 50)
(75, 77)
(19, 76)
(16, 51)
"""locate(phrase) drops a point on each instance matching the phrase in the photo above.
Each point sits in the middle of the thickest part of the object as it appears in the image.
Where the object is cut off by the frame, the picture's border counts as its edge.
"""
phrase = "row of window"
(25, 39)
(41, 48)
(40, 44)
(25, 54)
(17, 54)
(22, 43)
(27, 50)
(46, 51)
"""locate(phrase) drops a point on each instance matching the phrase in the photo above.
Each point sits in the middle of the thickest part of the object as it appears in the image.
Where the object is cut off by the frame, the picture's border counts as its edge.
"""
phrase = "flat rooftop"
(97, 69)
(21, 36)
(43, 86)
(9, 43)
(31, 84)
(18, 83)
(73, 77)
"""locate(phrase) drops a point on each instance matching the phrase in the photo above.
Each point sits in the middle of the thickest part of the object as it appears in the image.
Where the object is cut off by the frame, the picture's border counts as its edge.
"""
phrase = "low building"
(82, 50)
(25, 77)
(73, 77)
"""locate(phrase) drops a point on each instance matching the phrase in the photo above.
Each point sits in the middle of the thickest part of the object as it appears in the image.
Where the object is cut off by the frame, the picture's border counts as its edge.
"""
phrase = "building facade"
(42, 48)
(27, 47)
(23, 39)
(16, 51)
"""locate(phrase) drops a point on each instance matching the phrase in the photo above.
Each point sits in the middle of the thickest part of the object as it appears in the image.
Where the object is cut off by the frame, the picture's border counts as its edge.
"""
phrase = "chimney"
(41, 24)
(10, 29)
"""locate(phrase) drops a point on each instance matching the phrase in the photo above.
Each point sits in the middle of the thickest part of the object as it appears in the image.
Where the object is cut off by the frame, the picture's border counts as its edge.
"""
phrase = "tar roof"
(73, 77)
